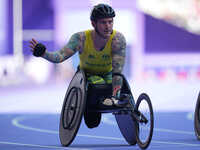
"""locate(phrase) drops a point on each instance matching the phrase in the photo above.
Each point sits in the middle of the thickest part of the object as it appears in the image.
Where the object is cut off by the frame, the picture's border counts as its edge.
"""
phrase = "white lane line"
(173, 131)
(176, 143)
(101, 137)
(41, 146)
(16, 123)
(109, 121)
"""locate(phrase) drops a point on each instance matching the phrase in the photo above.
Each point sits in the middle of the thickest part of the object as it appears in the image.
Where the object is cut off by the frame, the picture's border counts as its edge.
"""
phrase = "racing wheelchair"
(82, 100)
(197, 118)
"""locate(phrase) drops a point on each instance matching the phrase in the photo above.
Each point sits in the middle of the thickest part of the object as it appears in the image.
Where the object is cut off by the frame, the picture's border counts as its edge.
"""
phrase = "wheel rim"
(197, 118)
(71, 108)
(144, 130)
(198, 134)
(198, 115)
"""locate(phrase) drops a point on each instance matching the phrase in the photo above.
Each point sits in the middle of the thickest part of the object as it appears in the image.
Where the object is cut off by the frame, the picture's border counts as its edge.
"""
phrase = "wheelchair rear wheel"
(197, 118)
(73, 109)
(144, 121)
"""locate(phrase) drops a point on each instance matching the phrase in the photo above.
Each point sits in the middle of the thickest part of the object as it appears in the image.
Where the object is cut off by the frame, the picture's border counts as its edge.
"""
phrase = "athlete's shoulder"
(118, 41)
(76, 41)
(118, 35)
(79, 35)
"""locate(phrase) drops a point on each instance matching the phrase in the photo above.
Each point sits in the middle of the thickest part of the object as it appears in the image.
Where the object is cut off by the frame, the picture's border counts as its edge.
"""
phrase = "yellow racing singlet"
(93, 61)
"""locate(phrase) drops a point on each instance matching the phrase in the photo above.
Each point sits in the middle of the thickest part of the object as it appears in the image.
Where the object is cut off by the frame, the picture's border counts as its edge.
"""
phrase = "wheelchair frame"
(82, 100)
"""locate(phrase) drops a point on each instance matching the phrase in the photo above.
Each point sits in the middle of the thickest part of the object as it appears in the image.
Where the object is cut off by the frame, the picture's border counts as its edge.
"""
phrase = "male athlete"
(101, 51)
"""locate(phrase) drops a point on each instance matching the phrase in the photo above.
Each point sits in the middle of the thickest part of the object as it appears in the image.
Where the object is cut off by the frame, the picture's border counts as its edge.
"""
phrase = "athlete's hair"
(101, 11)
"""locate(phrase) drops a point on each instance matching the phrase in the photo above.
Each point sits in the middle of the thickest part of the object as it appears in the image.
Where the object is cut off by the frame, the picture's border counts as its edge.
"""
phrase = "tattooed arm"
(74, 44)
(118, 60)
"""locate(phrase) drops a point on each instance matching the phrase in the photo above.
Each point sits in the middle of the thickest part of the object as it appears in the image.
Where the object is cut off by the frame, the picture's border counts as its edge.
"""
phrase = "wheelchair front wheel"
(145, 121)
(197, 118)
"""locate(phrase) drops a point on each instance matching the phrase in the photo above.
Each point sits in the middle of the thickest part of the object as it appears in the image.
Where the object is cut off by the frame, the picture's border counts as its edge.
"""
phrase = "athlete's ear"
(93, 24)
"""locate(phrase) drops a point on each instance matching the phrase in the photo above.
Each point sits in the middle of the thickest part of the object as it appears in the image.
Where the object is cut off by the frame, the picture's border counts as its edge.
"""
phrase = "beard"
(102, 35)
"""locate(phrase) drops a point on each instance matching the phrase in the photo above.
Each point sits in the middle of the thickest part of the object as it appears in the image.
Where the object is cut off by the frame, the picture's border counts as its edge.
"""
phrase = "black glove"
(39, 50)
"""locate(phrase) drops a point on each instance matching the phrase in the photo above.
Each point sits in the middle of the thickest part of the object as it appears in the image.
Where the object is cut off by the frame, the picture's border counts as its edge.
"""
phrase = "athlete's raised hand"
(38, 49)
(33, 43)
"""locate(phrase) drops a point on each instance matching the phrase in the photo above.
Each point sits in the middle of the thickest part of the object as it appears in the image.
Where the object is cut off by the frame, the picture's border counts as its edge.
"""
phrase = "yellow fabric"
(93, 61)
(97, 79)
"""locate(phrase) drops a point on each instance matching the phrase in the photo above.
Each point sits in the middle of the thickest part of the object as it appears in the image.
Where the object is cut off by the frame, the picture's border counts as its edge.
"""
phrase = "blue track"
(29, 119)
(40, 132)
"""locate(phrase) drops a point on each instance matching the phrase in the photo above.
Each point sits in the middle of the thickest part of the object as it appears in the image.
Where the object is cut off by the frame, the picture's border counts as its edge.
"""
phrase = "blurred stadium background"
(163, 48)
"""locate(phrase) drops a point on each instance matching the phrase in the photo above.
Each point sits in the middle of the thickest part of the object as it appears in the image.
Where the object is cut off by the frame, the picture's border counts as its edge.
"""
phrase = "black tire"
(72, 109)
(197, 118)
(143, 143)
